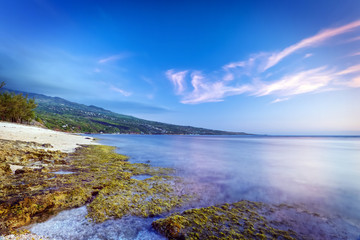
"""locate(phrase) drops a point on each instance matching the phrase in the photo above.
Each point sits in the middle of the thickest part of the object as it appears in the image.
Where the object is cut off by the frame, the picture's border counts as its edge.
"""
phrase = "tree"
(16, 107)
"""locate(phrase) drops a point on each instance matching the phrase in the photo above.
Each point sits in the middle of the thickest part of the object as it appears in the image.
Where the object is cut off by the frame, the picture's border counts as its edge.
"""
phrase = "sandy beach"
(65, 142)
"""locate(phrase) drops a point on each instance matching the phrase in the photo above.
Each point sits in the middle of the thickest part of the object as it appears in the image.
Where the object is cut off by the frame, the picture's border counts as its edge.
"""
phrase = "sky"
(266, 67)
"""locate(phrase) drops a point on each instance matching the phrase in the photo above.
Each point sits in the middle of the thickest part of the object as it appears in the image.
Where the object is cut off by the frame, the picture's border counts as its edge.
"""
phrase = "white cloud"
(234, 65)
(214, 92)
(280, 100)
(349, 70)
(355, 82)
(121, 91)
(228, 77)
(177, 79)
(298, 83)
(308, 55)
(114, 58)
(308, 81)
(248, 76)
(311, 42)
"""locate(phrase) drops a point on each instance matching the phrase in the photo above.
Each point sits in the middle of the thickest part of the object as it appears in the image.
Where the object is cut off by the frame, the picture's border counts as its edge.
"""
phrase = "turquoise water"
(319, 174)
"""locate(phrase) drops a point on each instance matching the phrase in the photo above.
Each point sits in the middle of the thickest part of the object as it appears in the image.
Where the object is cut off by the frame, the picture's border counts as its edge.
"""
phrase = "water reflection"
(320, 173)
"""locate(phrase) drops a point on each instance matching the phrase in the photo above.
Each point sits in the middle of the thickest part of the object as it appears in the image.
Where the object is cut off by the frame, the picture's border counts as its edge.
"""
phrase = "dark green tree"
(16, 107)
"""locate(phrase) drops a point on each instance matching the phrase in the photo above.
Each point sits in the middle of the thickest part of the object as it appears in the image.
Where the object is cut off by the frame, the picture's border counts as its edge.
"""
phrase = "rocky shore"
(41, 175)
(36, 182)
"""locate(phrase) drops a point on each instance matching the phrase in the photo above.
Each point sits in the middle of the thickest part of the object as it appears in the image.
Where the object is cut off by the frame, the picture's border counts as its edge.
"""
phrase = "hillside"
(60, 114)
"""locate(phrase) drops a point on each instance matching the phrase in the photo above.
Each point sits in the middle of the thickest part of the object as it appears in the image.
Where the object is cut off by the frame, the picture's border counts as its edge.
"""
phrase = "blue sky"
(275, 67)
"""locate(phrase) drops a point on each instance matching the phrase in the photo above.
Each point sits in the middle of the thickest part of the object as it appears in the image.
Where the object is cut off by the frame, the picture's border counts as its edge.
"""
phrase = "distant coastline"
(59, 114)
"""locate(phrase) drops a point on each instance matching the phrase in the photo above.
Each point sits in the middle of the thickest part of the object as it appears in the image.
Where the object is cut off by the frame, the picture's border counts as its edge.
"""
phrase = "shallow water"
(321, 174)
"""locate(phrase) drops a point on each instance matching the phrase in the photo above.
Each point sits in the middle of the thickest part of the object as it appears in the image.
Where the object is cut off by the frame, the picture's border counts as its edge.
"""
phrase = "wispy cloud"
(298, 83)
(255, 77)
(178, 79)
(355, 54)
(308, 55)
(210, 91)
(114, 57)
(311, 42)
(354, 39)
(349, 70)
(56, 72)
(121, 91)
(355, 82)
(280, 100)
(234, 65)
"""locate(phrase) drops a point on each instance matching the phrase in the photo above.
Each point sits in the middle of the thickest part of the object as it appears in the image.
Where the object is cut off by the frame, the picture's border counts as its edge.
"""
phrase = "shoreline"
(37, 180)
(64, 142)
(93, 175)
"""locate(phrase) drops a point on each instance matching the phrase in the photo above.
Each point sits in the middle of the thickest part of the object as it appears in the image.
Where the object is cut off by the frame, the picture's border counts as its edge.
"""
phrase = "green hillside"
(60, 114)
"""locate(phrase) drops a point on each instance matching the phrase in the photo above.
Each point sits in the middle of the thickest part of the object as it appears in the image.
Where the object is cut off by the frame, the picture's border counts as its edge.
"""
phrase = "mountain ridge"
(61, 114)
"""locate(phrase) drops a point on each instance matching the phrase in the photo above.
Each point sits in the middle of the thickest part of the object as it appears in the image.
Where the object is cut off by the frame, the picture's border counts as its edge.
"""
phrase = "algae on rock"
(98, 176)
(241, 220)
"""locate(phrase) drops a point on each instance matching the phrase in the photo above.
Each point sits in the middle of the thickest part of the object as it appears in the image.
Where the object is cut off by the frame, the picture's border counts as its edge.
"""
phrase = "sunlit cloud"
(311, 42)
(178, 80)
(249, 77)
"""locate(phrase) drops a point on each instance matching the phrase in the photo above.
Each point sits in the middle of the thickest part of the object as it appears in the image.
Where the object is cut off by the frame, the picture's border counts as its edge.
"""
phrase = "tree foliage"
(16, 107)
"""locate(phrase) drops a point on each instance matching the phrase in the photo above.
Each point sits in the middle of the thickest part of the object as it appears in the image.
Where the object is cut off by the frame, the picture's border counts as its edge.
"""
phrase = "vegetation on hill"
(16, 107)
(60, 114)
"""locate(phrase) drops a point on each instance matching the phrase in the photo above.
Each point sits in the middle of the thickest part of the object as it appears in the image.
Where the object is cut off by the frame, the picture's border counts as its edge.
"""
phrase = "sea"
(318, 174)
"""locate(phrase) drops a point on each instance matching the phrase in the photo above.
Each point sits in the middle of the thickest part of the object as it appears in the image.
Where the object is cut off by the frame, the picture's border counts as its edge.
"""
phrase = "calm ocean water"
(321, 174)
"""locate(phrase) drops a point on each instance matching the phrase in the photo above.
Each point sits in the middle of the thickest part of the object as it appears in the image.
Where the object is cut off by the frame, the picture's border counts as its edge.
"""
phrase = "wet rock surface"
(36, 183)
(251, 220)
(97, 176)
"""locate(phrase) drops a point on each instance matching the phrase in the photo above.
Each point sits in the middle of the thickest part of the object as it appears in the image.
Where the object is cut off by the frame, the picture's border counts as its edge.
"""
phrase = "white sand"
(65, 142)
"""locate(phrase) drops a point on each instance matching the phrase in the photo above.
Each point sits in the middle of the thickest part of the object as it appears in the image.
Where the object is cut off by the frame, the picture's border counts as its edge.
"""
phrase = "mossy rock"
(98, 176)
(5, 169)
(241, 220)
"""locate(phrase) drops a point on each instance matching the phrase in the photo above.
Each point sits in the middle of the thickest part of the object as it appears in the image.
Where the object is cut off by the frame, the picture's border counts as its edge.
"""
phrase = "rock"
(19, 171)
(5, 169)
(47, 145)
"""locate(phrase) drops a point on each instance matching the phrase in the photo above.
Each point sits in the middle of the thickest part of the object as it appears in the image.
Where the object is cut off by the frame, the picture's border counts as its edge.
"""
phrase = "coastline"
(47, 181)
(37, 180)
(64, 142)
(18, 139)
